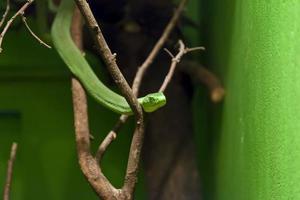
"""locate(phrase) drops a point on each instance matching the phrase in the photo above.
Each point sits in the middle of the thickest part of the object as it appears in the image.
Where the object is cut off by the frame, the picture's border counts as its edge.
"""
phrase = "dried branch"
(9, 173)
(202, 75)
(138, 136)
(88, 164)
(32, 33)
(126, 192)
(111, 136)
(216, 94)
(175, 60)
(5, 13)
(169, 52)
(108, 57)
(194, 49)
(139, 76)
(9, 22)
(143, 68)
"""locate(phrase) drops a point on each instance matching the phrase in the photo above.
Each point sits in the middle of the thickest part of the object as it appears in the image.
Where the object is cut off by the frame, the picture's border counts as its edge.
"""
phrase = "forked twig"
(20, 13)
(9, 22)
(175, 60)
(143, 68)
(32, 33)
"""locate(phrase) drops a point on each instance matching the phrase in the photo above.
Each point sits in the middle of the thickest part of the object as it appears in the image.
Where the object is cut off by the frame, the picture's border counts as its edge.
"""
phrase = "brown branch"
(175, 60)
(5, 13)
(32, 33)
(135, 150)
(143, 68)
(108, 57)
(9, 172)
(137, 140)
(87, 163)
(194, 49)
(9, 22)
(111, 136)
(202, 75)
(139, 76)
(169, 52)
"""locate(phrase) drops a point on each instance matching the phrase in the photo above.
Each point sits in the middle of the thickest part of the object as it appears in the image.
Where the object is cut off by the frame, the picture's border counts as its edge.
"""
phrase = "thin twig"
(175, 60)
(9, 22)
(169, 52)
(140, 74)
(111, 136)
(202, 75)
(143, 68)
(194, 49)
(9, 173)
(32, 33)
(5, 13)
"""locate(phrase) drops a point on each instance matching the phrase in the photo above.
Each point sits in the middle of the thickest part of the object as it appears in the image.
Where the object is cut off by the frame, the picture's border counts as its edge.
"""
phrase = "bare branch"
(169, 52)
(5, 13)
(143, 68)
(9, 22)
(111, 136)
(194, 49)
(108, 57)
(141, 72)
(32, 33)
(9, 173)
(203, 75)
(88, 164)
(175, 60)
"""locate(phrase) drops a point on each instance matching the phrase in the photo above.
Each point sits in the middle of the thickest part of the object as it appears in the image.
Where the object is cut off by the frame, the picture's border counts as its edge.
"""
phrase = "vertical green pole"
(256, 46)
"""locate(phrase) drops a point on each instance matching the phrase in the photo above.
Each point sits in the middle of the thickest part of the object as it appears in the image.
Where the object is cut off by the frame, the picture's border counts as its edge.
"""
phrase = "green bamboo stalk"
(256, 46)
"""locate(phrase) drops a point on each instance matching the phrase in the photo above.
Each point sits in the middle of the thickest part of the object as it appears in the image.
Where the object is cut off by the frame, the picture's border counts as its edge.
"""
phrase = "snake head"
(153, 101)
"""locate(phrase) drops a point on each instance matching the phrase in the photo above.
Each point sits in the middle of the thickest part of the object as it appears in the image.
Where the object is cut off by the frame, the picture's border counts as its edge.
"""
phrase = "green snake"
(81, 69)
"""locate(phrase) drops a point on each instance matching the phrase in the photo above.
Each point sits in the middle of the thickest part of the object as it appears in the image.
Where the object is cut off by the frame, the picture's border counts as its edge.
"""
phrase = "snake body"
(81, 69)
